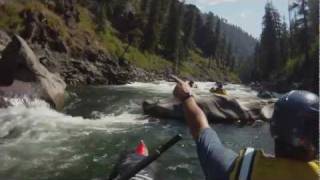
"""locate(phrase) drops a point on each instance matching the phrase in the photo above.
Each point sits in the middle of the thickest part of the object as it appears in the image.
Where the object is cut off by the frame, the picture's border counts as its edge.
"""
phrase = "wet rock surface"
(218, 109)
(21, 74)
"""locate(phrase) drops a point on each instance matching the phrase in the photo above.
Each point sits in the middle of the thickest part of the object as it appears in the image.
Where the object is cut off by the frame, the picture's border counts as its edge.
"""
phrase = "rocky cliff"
(54, 32)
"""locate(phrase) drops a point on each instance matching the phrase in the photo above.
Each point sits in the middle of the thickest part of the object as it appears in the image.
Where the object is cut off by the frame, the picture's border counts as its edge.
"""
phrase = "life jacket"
(219, 91)
(255, 165)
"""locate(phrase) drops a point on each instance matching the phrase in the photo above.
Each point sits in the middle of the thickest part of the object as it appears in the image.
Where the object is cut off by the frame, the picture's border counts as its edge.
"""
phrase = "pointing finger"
(176, 79)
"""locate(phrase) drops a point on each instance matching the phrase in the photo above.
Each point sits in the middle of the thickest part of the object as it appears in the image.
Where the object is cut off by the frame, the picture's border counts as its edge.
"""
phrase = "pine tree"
(305, 36)
(216, 40)
(222, 51)
(289, 56)
(199, 32)
(102, 16)
(189, 30)
(284, 45)
(314, 18)
(209, 38)
(228, 56)
(152, 30)
(173, 31)
(256, 70)
(145, 7)
(270, 46)
(314, 40)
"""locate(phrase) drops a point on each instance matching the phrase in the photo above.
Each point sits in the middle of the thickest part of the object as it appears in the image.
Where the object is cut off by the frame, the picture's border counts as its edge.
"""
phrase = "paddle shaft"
(148, 160)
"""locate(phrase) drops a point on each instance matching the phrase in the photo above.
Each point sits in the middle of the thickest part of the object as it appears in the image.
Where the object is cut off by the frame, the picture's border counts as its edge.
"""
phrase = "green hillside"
(163, 36)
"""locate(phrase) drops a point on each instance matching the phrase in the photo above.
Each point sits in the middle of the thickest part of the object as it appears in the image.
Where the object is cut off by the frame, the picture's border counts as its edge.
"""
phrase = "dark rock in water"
(266, 95)
(169, 108)
(22, 74)
(217, 108)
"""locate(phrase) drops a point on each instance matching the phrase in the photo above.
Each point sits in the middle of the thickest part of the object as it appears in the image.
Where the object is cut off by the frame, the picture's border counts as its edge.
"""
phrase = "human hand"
(182, 91)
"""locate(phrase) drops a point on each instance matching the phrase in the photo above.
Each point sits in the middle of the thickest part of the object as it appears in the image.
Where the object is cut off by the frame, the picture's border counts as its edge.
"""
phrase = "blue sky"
(246, 14)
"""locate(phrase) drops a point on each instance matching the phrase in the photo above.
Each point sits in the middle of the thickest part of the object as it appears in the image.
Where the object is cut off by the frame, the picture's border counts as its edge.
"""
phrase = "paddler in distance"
(219, 89)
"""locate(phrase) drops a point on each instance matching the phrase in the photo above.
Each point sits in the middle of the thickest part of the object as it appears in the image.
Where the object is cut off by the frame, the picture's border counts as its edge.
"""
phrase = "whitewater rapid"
(37, 142)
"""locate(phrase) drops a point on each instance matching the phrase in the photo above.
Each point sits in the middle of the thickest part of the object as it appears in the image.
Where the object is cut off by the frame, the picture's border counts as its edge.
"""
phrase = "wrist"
(187, 100)
(186, 97)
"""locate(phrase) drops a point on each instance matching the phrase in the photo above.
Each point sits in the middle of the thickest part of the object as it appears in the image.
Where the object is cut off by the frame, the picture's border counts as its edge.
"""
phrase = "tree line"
(288, 54)
(172, 29)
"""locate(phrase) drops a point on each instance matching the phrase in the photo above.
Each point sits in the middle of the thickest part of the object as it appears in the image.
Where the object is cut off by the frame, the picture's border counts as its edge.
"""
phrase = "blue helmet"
(296, 119)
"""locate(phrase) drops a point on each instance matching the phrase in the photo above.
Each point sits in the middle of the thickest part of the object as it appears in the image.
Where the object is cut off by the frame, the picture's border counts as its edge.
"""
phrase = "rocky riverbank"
(77, 57)
(92, 67)
(36, 71)
(66, 40)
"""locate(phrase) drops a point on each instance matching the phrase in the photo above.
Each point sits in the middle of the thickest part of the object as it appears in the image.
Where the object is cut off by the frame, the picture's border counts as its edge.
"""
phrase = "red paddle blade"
(142, 149)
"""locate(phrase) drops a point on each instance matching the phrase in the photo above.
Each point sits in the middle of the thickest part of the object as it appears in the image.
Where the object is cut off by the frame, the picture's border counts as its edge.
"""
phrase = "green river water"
(83, 142)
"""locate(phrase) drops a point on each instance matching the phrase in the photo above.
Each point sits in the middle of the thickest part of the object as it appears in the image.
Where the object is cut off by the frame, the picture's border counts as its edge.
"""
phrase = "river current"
(84, 141)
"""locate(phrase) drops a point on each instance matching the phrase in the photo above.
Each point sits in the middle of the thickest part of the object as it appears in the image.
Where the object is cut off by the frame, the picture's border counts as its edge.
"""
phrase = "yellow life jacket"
(254, 165)
(219, 91)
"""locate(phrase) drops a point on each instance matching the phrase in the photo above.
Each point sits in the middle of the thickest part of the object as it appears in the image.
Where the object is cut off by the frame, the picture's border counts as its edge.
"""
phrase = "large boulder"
(21, 74)
(218, 109)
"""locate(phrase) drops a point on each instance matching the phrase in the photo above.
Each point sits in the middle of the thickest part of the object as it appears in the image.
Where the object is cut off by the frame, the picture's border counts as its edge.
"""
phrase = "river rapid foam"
(83, 142)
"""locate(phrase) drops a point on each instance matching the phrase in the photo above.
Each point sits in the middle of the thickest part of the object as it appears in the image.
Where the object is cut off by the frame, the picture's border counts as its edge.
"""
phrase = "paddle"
(151, 158)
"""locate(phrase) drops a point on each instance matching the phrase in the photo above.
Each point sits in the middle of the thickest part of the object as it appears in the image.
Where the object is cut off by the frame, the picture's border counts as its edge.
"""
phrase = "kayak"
(129, 159)
(219, 91)
(138, 164)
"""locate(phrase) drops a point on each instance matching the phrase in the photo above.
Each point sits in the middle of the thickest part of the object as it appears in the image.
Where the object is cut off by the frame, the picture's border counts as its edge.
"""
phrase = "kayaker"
(219, 89)
(294, 127)
(192, 84)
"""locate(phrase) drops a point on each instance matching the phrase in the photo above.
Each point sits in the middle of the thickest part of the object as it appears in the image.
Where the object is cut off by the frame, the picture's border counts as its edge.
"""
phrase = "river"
(83, 142)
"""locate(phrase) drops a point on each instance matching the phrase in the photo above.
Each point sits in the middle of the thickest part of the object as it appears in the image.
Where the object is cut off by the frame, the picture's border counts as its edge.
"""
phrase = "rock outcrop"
(94, 67)
(76, 57)
(21, 74)
(38, 30)
(218, 109)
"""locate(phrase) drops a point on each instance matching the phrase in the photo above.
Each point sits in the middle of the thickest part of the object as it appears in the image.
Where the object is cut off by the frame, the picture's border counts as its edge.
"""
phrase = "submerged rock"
(218, 109)
(21, 74)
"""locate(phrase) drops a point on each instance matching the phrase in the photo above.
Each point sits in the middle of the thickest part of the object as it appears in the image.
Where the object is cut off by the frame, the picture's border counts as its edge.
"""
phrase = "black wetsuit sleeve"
(216, 160)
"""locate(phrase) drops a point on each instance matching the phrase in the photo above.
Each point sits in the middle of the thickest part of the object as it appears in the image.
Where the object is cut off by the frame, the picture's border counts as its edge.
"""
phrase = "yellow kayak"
(219, 91)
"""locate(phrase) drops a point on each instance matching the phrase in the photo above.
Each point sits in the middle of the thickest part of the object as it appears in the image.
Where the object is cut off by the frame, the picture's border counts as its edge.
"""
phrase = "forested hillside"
(158, 36)
(243, 44)
(287, 56)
